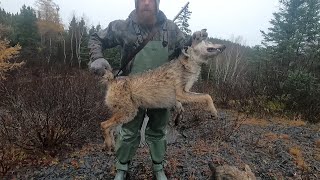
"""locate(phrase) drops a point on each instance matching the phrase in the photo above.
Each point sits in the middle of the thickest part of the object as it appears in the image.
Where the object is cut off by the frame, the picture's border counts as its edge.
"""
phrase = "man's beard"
(147, 17)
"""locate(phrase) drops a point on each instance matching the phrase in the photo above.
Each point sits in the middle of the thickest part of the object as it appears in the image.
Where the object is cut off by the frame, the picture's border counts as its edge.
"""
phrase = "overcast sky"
(223, 18)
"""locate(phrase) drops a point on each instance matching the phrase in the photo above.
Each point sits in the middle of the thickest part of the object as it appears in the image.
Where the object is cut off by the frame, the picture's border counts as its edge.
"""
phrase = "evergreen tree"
(71, 36)
(26, 28)
(8, 20)
(293, 44)
(5, 17)
(83, 39)
(98, 28)
(294, 34)
(312, 27)
(182, 21)
(92, 30)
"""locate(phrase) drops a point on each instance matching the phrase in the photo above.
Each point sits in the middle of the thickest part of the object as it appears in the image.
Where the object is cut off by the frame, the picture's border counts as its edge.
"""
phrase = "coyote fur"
(163, 87)
(226, 172)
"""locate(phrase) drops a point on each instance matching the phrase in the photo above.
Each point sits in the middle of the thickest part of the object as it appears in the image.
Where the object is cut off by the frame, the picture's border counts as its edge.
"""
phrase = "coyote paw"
(109, 150)
(214, 114)
(178, 118)
(109, 153)
(179, 107)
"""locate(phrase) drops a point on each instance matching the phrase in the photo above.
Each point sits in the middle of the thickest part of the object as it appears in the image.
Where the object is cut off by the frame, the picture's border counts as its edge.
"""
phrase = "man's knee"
(129, 134)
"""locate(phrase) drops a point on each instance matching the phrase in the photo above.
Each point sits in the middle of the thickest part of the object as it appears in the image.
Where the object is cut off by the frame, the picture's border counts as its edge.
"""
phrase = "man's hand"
(100, 66)
(200, 35)
(204, 33)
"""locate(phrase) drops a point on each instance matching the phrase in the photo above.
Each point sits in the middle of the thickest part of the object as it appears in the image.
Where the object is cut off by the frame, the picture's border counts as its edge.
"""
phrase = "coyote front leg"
(179, 110)
(179, 107)
(184, 96)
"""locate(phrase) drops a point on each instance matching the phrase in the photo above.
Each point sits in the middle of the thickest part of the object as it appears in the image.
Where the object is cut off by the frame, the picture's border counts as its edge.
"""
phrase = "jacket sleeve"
(104, 39)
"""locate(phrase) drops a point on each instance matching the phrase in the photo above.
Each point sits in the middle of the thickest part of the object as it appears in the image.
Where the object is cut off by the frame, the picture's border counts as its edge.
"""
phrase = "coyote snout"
(164, 87)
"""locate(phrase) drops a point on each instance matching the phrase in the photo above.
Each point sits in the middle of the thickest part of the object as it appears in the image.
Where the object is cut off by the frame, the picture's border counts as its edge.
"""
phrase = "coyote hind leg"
(183, 96)
(109, 125)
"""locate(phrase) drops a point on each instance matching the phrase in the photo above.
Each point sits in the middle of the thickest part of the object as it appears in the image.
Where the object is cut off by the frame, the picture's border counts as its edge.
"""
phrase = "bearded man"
(162, 41)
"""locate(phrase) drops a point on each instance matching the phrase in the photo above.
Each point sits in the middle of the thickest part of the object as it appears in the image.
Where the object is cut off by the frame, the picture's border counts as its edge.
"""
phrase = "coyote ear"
(185, 51)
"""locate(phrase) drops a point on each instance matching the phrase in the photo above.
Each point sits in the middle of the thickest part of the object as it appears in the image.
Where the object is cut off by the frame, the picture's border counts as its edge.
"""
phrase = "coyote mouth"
(213, 49)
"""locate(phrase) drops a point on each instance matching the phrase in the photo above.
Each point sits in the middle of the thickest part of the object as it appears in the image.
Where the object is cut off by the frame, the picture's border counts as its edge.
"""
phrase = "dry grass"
(173, 164)
(317, 150)
(299, 160)
(317, 143)
(278, 120)
(295, 151)
(284, 136)
(270, 136)
(202, 148)
(287, 122)
(87, 149)
(256, 122)
(317, 155)
(10, 157)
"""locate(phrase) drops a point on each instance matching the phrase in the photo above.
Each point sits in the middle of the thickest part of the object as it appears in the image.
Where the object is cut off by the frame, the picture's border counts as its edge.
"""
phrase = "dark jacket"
(129, 34)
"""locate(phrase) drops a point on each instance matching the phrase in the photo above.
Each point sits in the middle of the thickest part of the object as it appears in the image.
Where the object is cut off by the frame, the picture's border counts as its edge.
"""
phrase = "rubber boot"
(121, 175)
(122, 171)
(158, 172)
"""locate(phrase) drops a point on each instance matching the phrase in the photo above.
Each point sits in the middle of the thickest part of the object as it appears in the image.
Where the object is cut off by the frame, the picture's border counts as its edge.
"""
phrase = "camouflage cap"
(157, 4)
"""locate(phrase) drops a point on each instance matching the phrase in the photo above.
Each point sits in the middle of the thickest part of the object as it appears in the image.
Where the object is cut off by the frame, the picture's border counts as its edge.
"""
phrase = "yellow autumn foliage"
(6, 54)
(49, 22)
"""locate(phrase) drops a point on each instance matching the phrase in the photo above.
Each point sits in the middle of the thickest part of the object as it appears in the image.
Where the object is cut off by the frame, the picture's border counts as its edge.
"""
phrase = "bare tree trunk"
(228, 57)
(217, 73)
(41, 39)
(238, 58)
(79, 47)
(76, 47)
(64, 51)
(50, 50)
(209, 70)
(71, 45)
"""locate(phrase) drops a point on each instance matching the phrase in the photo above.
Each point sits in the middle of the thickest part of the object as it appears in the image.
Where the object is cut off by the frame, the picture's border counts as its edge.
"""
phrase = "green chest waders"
(151, 56)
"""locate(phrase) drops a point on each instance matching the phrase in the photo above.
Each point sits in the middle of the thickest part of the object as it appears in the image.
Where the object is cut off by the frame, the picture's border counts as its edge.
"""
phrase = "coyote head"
(201, 50)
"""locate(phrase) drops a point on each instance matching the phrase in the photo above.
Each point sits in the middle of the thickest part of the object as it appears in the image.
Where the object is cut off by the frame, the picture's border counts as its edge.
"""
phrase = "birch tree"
(49, 25)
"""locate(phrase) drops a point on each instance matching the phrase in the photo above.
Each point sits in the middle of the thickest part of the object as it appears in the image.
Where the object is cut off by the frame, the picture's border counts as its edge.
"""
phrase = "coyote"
(227, 172)
(163, 87)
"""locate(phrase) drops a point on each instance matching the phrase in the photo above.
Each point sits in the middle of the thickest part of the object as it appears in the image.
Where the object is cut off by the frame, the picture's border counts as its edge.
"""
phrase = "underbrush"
(45, 110)
(246, 100)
